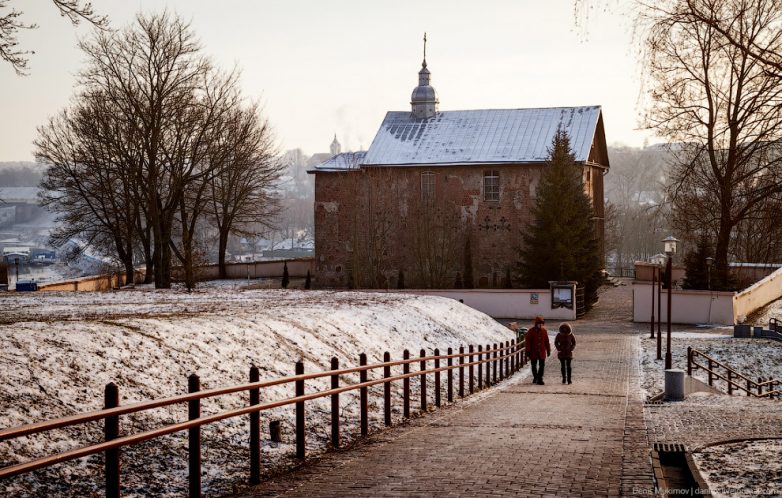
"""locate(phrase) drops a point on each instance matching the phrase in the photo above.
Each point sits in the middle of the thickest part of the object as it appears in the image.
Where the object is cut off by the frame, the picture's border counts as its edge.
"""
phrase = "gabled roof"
(481, 136)
(342, 162)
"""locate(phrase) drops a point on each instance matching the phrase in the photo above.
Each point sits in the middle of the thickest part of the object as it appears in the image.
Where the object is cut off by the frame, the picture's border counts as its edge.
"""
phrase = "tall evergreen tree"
(698, 271)
(561, 244)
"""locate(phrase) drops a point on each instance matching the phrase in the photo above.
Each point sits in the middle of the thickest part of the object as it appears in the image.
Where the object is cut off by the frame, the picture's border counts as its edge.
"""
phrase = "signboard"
(533, 298)
(562, 294)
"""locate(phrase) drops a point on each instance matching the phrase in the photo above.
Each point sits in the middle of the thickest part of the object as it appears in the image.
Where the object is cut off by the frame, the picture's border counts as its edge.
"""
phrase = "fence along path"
(500, 361)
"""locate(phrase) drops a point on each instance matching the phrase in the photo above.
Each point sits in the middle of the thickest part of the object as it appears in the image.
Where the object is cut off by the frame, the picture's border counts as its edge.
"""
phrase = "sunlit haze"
(323, 68)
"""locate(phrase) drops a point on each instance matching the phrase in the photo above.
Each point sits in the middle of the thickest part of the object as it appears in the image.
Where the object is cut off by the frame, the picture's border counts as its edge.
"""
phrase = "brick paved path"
(584, 439)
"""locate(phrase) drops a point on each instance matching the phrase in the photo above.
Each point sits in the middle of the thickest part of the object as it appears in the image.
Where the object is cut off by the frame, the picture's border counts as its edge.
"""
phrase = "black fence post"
(194, 438)
(689, 361)
(111, 431)
(387, 389)
(494, 363)
(461, 371)
(437, 378)
(512, 353)
(255, 429)
(507, 359)
(423, 381)
(471, 370)
(488, 365)
(406, 385)
(335, 405)
(450, 375)
(300, 442)
(480, 367)
(362, 376)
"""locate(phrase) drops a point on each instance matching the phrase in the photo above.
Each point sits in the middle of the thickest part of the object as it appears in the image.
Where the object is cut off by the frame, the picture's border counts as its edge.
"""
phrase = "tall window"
(427, 186)
(491, 185)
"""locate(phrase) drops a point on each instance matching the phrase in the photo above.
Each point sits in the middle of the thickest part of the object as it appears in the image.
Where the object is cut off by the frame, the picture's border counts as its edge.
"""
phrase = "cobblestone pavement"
(518, 439)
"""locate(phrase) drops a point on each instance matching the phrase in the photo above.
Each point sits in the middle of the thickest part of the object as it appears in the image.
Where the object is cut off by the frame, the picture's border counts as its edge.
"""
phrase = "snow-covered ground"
(751, 357)
(748, 468)
(60, 349)
(740, 469)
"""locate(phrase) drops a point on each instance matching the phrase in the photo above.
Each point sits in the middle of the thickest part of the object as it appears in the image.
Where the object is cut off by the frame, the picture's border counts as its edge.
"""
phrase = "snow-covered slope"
(60, 349)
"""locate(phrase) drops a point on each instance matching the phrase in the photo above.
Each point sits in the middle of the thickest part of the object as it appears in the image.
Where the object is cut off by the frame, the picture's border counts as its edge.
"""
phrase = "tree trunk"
(222, 248)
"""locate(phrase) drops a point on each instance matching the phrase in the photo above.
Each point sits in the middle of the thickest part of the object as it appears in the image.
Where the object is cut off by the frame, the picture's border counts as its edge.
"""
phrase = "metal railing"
(775, 325)
(716, 370)
(500, 361)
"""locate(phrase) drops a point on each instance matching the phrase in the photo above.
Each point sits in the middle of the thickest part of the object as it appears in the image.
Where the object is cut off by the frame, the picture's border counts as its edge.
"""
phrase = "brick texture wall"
(372, 222)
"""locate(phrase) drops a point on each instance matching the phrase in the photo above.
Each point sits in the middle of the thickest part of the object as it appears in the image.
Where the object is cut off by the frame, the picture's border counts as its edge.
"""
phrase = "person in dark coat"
(538, 347)
(565, 342)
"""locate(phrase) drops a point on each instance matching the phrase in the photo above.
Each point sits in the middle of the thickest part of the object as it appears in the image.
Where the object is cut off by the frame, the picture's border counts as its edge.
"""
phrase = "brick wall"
(370, 223)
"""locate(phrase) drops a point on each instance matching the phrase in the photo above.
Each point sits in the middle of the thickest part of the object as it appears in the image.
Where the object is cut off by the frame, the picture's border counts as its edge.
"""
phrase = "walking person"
(565, 342)
(538, 347)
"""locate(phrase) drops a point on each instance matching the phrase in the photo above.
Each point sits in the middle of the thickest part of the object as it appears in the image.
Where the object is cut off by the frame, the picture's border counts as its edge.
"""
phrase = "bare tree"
(721, 108)
(11, 22)
(241, 197)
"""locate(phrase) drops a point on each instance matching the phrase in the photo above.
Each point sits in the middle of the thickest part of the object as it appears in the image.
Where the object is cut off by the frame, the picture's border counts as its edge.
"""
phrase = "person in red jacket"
(565, 342)
(537, 346)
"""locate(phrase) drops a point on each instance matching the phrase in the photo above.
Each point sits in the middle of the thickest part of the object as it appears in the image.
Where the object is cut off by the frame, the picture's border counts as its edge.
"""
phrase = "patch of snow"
(60, 349)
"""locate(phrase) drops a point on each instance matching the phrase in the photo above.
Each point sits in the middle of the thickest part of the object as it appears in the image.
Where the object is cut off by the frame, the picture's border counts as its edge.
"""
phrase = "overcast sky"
(323, 67)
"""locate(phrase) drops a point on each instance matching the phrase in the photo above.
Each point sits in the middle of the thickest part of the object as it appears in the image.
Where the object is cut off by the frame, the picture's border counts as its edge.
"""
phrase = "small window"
(491, 185)
(427, 185)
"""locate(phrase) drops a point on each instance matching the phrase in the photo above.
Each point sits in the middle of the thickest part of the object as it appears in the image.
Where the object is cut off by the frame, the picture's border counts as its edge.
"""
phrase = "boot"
(564, 381)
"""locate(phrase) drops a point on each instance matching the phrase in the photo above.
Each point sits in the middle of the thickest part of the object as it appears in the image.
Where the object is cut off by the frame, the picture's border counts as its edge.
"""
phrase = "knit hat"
(539, 319)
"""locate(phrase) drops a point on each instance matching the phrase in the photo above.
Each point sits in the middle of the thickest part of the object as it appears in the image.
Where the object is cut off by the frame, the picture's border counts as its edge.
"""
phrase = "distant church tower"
(336, 148)
(424, 99)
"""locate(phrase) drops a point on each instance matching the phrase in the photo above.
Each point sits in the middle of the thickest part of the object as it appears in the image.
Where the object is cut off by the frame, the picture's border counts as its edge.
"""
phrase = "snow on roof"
(342, 162)
(481, 136)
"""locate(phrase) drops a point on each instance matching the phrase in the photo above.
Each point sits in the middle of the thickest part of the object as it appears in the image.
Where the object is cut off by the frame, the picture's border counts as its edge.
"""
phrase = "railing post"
(488, 365)
(450, 375)
(387, 389)
(461, 372)
(335, 405)
(480, 367)
(406, 385)
(494, 363)
(255, 429)
(471, 371)
(749, 388)
(194, 438)
(300, 442)
(111, 431)
(711, 376)
(437, 378)
(507, 359)
(730, 382)
(689, 361)
(423, 381)
(512, 353)
(760, 388)
(364, 394)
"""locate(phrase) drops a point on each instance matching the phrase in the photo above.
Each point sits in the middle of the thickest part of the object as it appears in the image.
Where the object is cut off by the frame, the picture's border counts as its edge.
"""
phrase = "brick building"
(438, 191)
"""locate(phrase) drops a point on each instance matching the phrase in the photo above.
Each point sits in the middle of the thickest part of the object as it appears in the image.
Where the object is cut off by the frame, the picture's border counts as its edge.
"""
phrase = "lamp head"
(709, 261)
(670, 245)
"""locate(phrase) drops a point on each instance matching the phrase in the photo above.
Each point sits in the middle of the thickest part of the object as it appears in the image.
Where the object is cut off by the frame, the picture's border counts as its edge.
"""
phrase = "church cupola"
(336, 148)
(424, 99)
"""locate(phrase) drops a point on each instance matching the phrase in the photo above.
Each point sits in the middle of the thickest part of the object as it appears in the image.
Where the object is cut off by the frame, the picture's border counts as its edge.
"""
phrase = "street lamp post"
(654, 285)
(709, 261)
(670, 249)
(659, 311)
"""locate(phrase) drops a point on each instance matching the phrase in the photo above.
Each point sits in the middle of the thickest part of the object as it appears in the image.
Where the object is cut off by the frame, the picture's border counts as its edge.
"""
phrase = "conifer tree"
(400, 280)
(286, 279)
(507, 283)
(458, 283)
(561, 244)
(698, 271)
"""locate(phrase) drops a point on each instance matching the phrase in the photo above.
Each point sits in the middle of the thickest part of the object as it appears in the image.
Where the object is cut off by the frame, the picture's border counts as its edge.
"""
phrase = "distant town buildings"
(442, 195)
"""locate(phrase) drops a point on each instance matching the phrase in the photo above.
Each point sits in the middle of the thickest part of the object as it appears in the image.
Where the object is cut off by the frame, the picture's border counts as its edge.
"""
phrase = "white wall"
(688, 306)
(501, 303)
(758, 295)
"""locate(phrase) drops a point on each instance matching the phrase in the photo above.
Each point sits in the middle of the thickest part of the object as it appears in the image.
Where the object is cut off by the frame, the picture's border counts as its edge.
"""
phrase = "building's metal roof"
(342, 162)
(480, 136)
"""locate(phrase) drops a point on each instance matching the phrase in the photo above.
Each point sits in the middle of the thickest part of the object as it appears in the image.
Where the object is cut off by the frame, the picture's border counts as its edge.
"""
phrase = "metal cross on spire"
(424, 46)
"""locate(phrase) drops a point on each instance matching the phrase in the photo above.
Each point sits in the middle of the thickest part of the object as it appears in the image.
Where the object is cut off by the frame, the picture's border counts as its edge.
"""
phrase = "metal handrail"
(775, 324)
(508, 358)
(753, 388)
